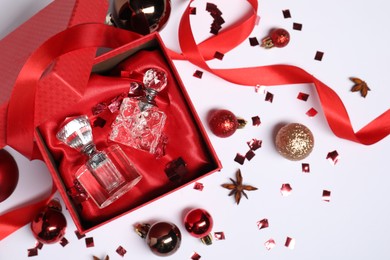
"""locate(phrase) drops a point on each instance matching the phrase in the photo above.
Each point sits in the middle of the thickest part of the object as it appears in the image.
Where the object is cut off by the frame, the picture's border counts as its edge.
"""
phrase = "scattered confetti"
(361, 86)
(311, 112)
(99, 108)
(105, 258)
(249, 155)
(286, 14)
(64, 242)
(333, 157)
(79, 236)
(198, 186)
(285, 190)
(121, 251)
(216, 25)
(218, 55)
(198, 74)
(256, 121)
(99, 122)
(239, 158)
(254, 144)
(176, 169)
(326, 195)
(303, 96)
(319, 55)
(305, 167)
(39, 245)
(262, 223)
(297, 26)
(253, 41)
(195, 256)
(89, 242)
(290, 243)
(115, 103)
(219, 235)
(269, 97)
(193, 10)
(237, 188)
(32, 252)
(269, 244)
(260, 89)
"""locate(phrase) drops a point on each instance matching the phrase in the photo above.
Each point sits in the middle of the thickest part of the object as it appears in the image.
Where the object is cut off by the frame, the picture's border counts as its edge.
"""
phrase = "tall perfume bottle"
(107, 174)
(140, 122)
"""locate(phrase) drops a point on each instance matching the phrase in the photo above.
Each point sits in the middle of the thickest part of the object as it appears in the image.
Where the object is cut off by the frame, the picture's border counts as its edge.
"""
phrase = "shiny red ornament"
(163, 238)
(49, 225)
(278, 38)
(223, 123)
(141, 16)
(9, 174)
(199, 223)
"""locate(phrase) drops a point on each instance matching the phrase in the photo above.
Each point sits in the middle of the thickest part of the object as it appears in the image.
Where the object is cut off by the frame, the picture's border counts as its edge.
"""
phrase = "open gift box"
(186, 138)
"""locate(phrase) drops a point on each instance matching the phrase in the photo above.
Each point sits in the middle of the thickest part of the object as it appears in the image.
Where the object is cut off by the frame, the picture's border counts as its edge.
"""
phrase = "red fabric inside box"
(185, 139)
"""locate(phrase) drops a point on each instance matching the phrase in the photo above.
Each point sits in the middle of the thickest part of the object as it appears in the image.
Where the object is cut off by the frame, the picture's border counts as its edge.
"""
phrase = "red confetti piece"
(64, 242)
(99, 108)
(254, 144)
(239, 158)
(256, 121)
(311, 112)
(115, 104)
(195, 256)
(249, 155)
(176, 169)
(269, 97)
(219, 235)
(193, 10)
(39, 245)
(99, 122)
(262, 223)
(290, 243)
(326, 195)
(269, 244)
(260, 89)
(286, 14)
(333, 157)
(305, 167)
(32, 252)
(285, 189)
(89, 242)
(303, 96)
(198, 186)
(319, 55)
(218, 55)
(198, 74)
(79, 236)
(297, 26)
(121, 251)
(253, 41)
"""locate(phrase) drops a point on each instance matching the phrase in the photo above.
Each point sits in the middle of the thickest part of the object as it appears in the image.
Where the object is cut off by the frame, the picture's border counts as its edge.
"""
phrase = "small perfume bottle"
(107, 174)
(140, 122)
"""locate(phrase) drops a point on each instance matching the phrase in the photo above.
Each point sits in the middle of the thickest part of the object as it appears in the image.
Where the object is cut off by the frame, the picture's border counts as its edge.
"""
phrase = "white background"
(355, 223)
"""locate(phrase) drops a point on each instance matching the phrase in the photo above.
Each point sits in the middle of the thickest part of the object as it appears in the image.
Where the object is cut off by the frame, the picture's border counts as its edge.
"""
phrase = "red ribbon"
(20, 127)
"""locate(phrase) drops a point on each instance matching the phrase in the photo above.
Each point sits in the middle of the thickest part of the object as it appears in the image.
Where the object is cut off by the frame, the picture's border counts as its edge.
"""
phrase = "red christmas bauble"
(199, 223)
(9, 174)
(49, 225)
(141, 16)
(223, 123)
(280, 37)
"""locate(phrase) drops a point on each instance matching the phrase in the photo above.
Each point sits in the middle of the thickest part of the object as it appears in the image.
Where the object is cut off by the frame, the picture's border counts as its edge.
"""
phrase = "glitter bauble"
(294, 141)
(9, 174)
(49, 225)
(223, 123)
(280, 37)
(163, 238)
(199, 223)
(141, 16)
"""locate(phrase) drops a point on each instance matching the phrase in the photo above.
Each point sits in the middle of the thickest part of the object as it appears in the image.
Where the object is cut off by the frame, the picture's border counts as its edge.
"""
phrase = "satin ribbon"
(20, 128)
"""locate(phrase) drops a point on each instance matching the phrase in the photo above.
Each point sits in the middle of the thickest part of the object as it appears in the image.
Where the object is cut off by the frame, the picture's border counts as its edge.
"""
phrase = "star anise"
(361, 86)
(237, 188)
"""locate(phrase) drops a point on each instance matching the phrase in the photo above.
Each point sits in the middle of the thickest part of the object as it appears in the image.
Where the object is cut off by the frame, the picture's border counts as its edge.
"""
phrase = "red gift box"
(186, 136)
(67, 71)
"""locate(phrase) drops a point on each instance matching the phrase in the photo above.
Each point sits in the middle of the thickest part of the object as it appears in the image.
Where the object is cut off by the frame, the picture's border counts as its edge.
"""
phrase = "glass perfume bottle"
(140, 123)
(107, 174)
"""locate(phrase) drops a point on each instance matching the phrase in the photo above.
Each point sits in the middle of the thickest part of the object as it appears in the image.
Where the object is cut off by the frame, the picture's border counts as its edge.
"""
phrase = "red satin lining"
(20, 127)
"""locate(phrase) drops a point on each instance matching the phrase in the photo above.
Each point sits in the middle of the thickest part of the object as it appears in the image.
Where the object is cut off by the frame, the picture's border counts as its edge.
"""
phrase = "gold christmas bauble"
(294, 141)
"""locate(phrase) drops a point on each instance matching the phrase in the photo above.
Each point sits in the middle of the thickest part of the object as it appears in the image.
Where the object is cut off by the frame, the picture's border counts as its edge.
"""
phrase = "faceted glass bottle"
(107, 174)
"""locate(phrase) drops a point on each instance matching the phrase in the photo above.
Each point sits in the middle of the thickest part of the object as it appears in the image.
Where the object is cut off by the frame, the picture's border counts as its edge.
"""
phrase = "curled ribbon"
(20, 128)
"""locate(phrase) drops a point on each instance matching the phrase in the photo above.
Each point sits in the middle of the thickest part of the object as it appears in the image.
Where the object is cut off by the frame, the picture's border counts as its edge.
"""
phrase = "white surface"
(353, 225)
